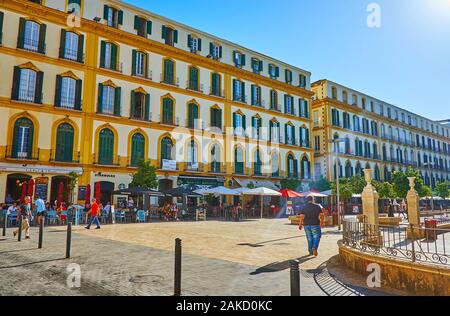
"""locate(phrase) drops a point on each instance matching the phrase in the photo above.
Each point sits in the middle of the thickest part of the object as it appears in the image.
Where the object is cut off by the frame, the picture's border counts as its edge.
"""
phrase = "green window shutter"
(41, 44)
(243, 59)
(270, 130)
(80, 48)
(137, 22)
(16, 83)
(261, 65)
(234, 120)
(149, 27)
(105, 12)
(78, 92)
(38, 91)
(211, 48)
(114, 56)
(120, 17)
(199, 44)
(102, 54)
(132, 103)
(219, 113)
(117, 98)
(100, 98)
(147, 108)
(243, 91)
(220, 52)
(295, 168)
(21, 36)
(244, 122)
(58, 91)
(133, 63)
(1, 26)
(212, 117)
(277, 72)
(189, 40)
(175, 36)
(164, 32)
(286, 133)
(62, 46)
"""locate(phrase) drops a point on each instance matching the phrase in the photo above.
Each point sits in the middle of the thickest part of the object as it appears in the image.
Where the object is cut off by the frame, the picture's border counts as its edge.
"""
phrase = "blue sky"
(405, 62)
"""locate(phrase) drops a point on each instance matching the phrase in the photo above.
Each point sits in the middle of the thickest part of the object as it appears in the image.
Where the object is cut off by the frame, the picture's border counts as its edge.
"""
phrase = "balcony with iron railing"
(27, 95)
(33, 46)
(192, 87)
(73, 55)
(16, 154)
(63, 158)
(217, 92)
(106, 161)
(148, 75)
(69, 104)
(193, 167)
(240, 98)
(170, 81)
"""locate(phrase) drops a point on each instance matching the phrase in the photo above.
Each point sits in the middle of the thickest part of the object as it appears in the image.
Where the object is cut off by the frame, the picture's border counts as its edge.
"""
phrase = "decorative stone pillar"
(370, 198)
(412, 199)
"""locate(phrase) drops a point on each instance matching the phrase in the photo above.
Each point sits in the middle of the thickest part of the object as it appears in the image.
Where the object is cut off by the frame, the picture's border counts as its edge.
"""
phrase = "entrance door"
(56, 187)
(106, 191)
(14, 185)
(165, 184)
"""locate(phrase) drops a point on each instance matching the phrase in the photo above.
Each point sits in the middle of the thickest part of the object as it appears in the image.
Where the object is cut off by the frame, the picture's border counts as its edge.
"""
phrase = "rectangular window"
(108, 56)
(31, 36)
(257, 65)
(71, 46)
(27, 86)
(67, 93)
(289, 105)
(112, 16)
(108, 100)
(303, 108)
(216, 85)
(142, 26)
(216, 118)
(256, 95)
(288, 76)
(239, 91)
(194, 43)
(274, 71)
(302, 81)
(273, 100)
(215, 51)
(239, 59)
(169, 35)
(139, 64)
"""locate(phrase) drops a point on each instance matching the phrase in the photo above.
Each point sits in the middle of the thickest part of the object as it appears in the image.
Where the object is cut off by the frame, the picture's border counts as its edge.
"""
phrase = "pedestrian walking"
(94, 212)
(40, 210)
(390, 209)
(312, 219)
(25, 213)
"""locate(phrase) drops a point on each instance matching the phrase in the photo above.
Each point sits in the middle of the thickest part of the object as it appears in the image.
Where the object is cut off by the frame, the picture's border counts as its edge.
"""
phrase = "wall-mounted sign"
(169, 164)
(41, 188)
(104, 175)
(82, 193)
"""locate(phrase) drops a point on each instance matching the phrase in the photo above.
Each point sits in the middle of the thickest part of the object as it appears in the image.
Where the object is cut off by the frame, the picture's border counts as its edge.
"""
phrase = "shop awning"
(259, 183)
(7, 167)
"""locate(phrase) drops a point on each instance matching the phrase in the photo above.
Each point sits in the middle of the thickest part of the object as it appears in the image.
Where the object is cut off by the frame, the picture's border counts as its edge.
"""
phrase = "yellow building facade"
(94, 87)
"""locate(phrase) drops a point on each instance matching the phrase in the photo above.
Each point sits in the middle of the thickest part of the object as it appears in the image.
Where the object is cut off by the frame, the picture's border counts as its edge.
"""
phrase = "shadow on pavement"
(279, 266)
(20, 250)
(261, 244)
(30, 263)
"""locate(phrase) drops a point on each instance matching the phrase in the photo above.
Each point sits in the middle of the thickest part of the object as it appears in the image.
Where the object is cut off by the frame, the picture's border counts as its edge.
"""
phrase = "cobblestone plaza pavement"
(249, 258)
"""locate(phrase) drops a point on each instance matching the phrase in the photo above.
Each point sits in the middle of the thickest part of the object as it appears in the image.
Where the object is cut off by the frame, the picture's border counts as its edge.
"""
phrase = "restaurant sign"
(169, 164)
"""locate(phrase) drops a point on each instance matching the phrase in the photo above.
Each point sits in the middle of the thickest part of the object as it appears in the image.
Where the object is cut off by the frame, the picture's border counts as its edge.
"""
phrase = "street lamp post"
(429, 164)
(336, 142)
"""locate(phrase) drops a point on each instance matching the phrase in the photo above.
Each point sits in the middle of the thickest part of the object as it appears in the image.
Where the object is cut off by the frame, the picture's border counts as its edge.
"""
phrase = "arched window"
(215, 158)
(167, 111)
(292, 167)
(106, 147)
(257, 163)
(305, 168)
(23, 139)
(192, 158)
(358, 169)
(348, 170)
(137, 149)
(169, 70)
(64, 143)
(275, 165)
(340, 169)
(238, 161)
(192, 115)
(166, 148)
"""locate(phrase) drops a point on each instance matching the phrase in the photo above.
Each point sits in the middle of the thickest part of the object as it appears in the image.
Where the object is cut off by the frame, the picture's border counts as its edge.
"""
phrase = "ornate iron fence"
(408, 243)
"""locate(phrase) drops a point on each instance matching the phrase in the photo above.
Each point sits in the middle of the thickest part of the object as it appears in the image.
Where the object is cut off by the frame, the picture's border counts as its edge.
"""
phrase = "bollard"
(295, 278)
(41, 233)
(19, 235)
(68, 239)
(177, 287)
(5, 222)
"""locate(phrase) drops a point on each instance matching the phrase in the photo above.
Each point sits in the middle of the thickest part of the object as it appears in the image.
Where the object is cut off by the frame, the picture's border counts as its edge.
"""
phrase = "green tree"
(443, 189)
(251, 185)
(357, 184)
(145, 177)
(401, 184)
(384, 189)
(291, 184)
(321, 185)
(345, 188)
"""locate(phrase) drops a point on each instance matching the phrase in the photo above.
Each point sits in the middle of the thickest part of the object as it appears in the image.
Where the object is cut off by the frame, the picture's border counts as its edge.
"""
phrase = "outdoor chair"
(120, 216)
(12, 218)
(52, 217)
(140, 216)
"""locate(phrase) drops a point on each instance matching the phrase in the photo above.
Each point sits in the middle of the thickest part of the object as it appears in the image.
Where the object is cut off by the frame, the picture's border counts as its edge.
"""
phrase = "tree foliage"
(384, 189)
(400, 183)
(321, 185)
(291, 184)
(145, 177)
(443, 189)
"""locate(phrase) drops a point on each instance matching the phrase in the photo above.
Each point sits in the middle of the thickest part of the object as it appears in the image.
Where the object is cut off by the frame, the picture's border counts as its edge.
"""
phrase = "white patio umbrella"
(240, 191)
(220, 191)
(262, 192)
(314, 194)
